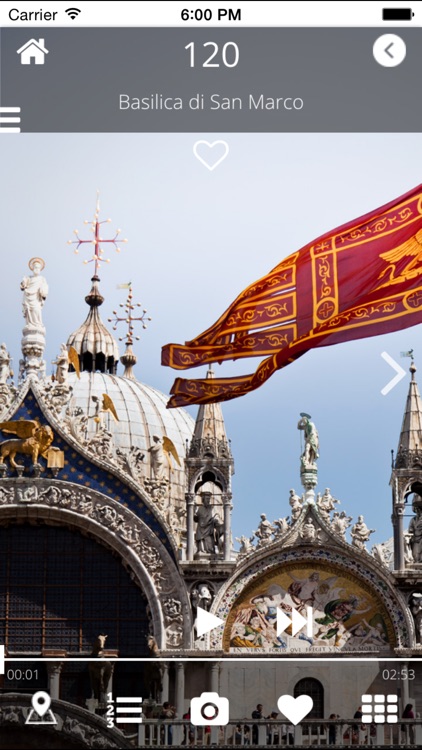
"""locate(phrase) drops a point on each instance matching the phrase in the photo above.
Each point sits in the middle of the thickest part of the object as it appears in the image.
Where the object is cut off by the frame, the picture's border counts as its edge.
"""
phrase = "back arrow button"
(382, 50)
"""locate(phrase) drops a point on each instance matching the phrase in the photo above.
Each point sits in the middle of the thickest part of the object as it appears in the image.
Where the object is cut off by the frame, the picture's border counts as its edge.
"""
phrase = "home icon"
(33, 51)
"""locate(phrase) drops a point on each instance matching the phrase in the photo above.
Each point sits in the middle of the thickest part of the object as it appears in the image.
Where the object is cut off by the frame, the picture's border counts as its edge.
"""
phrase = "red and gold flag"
(359, 280)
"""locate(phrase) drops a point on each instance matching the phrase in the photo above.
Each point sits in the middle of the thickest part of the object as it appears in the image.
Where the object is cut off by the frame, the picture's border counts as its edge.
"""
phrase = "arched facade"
(100, 500)
(357, 607)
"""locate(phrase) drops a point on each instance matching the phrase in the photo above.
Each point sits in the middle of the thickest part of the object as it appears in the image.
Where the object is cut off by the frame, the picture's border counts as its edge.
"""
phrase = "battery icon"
(397, 14)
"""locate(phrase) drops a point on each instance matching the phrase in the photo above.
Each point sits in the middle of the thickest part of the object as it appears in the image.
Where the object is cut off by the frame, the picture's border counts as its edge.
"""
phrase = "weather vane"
(129, 318)
(97, 241)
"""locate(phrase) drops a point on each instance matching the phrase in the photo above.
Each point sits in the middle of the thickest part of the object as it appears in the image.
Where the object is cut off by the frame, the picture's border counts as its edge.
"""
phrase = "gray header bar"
(154, 80)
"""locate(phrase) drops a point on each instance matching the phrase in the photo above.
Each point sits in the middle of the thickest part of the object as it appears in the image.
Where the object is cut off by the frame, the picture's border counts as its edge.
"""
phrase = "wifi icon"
(73, 13)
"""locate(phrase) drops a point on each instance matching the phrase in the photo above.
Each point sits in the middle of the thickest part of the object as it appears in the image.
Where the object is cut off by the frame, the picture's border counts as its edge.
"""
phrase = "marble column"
(227, 506)
(399, 562)
(380, 734)
(190, 507)
(214, 677)
(164, 682)
(54, 670)
(180, 689)
(180, 703)
(404, 684)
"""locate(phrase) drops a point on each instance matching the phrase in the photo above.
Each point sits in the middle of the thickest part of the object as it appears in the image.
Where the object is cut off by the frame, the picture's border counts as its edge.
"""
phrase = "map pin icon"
(41, 702)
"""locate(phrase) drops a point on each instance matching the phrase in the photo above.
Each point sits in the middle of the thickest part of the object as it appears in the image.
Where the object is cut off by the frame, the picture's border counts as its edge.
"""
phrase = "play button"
(205, 622)
(389, 50)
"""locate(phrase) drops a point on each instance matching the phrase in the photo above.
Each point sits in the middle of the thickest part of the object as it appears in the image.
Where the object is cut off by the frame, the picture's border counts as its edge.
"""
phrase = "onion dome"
(95, 346)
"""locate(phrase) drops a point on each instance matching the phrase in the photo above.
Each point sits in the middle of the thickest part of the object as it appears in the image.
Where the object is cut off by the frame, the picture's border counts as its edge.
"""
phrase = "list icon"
(131, 707)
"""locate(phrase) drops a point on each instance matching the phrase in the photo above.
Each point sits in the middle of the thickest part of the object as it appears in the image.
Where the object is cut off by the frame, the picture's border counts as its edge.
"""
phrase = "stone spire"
(406, 476)
(210, 431)
(96, 347)
(209, 460)
(411, 429)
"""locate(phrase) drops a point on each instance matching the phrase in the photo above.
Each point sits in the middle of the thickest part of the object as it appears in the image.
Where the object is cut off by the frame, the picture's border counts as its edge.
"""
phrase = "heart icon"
(295, 709)
(211, 154)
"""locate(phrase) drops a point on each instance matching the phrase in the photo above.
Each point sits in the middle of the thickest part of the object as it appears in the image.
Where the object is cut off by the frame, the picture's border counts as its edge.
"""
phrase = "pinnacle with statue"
(35, 291)
(324, 507)
(310, 454)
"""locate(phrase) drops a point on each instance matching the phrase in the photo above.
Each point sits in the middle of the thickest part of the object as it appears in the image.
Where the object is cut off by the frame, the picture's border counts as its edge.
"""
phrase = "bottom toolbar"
(252, 702)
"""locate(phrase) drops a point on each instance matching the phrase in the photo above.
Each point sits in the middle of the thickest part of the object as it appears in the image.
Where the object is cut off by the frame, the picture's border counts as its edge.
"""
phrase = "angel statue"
(102, 406)
(62, 366)
(34, 440)
(161, 450)
(311, 452)
(65, 359)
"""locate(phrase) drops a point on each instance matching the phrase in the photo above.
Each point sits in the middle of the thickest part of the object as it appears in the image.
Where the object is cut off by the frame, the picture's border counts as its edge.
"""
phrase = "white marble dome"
(142, 414)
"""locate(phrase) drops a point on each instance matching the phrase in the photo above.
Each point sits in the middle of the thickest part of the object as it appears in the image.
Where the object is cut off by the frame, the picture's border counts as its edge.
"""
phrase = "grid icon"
(380, 709)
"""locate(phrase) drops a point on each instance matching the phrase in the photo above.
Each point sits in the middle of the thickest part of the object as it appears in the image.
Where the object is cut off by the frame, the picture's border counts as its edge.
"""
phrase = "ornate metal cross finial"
(98, 241)
(129, 318)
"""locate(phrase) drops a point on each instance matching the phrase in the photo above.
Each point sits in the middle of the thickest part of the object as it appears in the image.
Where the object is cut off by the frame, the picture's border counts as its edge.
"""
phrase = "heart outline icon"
(200, 158)
(295, 709)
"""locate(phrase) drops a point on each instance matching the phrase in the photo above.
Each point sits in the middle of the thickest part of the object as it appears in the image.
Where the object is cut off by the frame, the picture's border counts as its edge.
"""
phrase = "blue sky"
(196, 239)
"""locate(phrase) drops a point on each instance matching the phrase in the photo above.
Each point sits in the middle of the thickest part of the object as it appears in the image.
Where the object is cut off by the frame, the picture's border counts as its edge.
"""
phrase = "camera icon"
(209, 709)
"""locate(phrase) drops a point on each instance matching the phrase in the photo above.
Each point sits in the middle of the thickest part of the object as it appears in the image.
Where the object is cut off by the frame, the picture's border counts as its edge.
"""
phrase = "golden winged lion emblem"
(33, 440)
(411, 249)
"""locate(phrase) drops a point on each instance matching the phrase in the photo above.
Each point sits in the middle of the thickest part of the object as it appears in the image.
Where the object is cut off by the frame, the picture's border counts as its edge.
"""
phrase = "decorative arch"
(88, 468)
(413, 485)
(358, 576)
(206, 474)
(119, 529)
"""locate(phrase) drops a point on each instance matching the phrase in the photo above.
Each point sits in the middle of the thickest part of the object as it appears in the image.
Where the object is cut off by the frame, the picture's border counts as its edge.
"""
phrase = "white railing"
(251, 733)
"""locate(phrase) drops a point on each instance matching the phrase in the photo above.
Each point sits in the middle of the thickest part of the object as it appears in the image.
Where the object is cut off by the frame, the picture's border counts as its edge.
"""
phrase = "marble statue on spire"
(309, 456)
(35, 290)
(311, 451)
